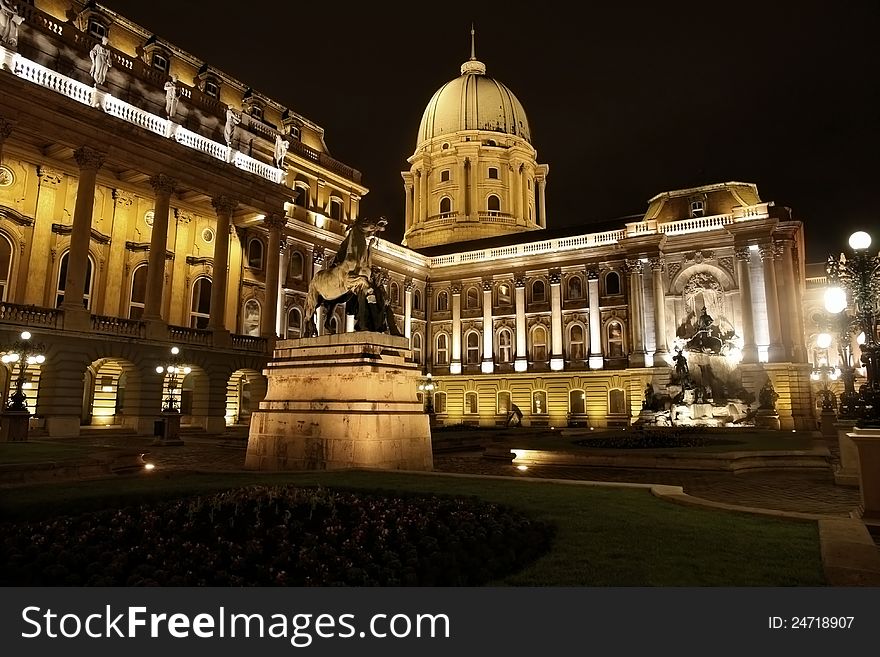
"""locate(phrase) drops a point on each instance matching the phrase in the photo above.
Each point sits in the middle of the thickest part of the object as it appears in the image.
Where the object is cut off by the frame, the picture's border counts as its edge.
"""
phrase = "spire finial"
(473, 48)
(473, 65)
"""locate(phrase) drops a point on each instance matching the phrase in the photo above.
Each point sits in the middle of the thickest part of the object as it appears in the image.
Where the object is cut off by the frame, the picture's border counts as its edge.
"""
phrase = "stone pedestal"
(341, 401)
(170, 430)
(767, 418)
(14, 426)
(827, 421)
(868, 444)
(848, 474)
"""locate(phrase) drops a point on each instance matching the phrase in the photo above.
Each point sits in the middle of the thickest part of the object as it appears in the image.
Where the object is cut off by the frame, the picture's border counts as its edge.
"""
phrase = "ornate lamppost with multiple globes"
(426, 387)
(174, 372)
(16, 417)
(855, 281)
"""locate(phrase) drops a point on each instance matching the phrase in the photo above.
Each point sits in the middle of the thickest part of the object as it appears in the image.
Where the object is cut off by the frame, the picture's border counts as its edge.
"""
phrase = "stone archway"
(245, 390)
(109, 387)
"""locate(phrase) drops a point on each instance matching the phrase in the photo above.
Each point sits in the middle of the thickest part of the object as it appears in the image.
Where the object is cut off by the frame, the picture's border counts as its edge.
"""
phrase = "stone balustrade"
(14, 313)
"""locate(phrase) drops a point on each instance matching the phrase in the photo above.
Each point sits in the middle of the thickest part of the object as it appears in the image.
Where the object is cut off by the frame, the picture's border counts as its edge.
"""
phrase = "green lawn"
(606, 536)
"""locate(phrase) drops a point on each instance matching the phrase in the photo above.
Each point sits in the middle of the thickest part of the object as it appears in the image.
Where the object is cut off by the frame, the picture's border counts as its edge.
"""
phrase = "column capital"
(555, 277)
(275, 221)
(487, 285)
(455, 287)
(633, 266)
(122, 198)
(162, 184)
(224, 204)
(657, 263)
(519, 279)
(408, 284)
(181, 216)
(318, 255)
(768, 252)
(6, 127)
(593, 272)
(742, 253)
(49, 176)
(89, 158)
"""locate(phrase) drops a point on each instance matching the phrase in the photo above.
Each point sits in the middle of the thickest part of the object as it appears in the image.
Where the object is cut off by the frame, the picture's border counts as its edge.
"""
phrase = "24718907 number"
(810, 622)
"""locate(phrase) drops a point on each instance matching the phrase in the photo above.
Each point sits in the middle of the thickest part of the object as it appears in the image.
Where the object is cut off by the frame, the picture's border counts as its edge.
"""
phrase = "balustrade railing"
(187, 335)
(249, 343)
(14, 313)
(118, 326)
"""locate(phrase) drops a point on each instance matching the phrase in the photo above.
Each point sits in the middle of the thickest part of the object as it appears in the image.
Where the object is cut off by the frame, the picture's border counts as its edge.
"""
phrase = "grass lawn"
(34, 452)
(605, 537)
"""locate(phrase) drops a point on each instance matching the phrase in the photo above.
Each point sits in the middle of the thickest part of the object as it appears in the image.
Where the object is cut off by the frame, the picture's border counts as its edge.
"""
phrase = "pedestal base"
(848, 474)
(767, 419)
(868, 443)
(14, 426)
(170, 430)
(341, 401)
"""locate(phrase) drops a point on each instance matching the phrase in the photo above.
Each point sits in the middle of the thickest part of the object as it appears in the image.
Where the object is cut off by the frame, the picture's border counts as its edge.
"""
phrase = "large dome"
(473, 101)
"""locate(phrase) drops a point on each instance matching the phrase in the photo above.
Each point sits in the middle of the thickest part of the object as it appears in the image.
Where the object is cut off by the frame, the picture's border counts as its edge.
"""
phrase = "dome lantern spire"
(473, 65)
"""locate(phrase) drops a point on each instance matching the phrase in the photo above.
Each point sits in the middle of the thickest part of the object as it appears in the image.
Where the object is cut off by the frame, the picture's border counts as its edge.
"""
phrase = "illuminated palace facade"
(172, 205)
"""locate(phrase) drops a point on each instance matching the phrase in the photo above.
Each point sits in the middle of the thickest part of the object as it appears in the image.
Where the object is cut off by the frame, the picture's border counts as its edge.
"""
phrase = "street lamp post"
(16, 416)
(825, 373)
(426, 387)
(857, 283)
(174, 372)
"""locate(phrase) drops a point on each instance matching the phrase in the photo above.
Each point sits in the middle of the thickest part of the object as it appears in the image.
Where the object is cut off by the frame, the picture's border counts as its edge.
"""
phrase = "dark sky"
(625, 100)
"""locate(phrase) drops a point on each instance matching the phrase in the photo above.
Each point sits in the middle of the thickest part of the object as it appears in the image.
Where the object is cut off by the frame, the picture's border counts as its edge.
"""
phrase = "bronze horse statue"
(347, 276)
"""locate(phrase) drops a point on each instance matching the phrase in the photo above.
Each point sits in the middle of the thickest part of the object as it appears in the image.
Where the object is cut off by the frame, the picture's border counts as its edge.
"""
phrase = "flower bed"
(276, 536)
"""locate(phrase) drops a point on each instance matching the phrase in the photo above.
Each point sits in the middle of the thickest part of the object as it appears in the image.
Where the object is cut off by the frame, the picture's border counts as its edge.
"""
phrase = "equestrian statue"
(352, 280)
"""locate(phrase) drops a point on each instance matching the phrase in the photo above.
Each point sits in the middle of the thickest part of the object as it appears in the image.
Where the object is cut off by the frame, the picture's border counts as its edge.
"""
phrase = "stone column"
(178, 309)
(455, 364)
(5, 130)
(795, 318)
(38, 274)
(275, 223)
(557, 360)
(526, 195)
(317, 265)
(637, 355)
(89, 161)
(429, 337)
(417, 196)
(468, 184)
(423, 203)
(224, 207)
(659, 314)
(407, 193)
(597, 360)
(743, 259)
(777, 349)
(407, 306)
(515, 192)
(522, 359)
(488, 364)
(542, 202)
(162, 186)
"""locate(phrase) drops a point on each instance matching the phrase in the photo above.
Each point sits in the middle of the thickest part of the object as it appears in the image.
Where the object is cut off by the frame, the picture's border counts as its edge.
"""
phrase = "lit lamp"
(23, 353)
(174, 372)
(857, 276)
(426, 387)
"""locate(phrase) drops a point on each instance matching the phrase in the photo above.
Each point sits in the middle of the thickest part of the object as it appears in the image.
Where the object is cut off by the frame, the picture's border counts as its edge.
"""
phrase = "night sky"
(625, 102)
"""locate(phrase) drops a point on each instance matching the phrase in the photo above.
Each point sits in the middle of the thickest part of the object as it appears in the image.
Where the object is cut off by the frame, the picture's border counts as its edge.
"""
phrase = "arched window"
(417, 300)
(442, 301)
(539, 344)
(336, 209)
(539, 402)
(472, 348)
(472, 300)
(577, 402)
(295, 266)
(471, 403)
(250, 321)
(294, 323)
(138, 292)
(503, 403)
(200, 309)
(62, 281)
(505, 346)
(575, 288)
(617, 401)
(612, 283)
(445, 205)
(493, 203)
(539, 291)
(576, 342)
(439, 402)
(441, 353)
(417, 347)
(614, 338)
(394, 293)
(302, 199)
(255, 254)
(6, 252)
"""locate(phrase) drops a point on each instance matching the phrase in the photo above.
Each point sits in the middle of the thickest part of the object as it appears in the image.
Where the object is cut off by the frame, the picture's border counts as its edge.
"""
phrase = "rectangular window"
(160, 62)
(97, 29)
(697, 209)
(493, 173)
(444, 175)
(212, 89)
